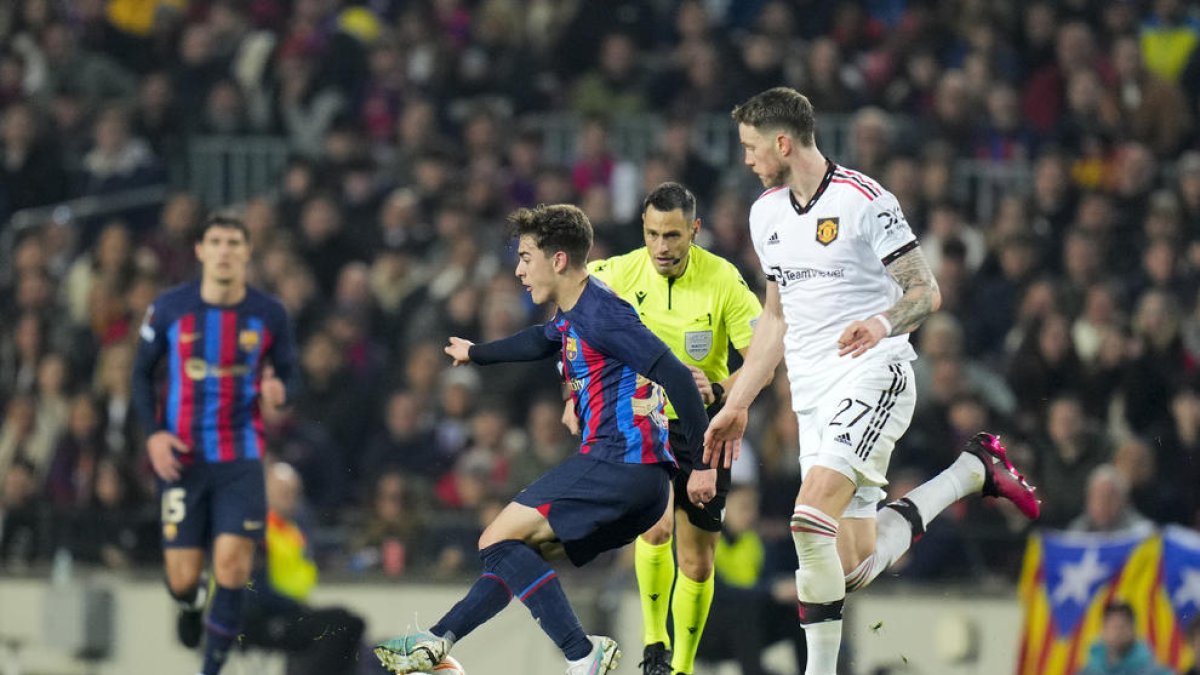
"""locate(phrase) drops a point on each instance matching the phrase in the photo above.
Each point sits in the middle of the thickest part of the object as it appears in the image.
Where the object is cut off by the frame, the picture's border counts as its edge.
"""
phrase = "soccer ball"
(448, 666)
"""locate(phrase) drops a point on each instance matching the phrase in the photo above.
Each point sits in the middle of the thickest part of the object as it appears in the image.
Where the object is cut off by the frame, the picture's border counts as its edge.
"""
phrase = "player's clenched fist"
(702, 486)
(459, 350)
(860, 336)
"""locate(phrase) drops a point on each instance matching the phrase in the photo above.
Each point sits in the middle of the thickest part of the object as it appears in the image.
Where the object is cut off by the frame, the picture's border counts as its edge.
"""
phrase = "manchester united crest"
(827, 230)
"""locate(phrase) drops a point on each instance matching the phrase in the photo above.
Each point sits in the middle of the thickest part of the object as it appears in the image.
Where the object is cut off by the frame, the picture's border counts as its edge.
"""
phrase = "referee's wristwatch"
(718, 393)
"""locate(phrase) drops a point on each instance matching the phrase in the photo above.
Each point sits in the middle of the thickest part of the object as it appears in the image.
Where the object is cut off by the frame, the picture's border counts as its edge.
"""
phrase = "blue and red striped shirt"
(214, 357)
(606, 350)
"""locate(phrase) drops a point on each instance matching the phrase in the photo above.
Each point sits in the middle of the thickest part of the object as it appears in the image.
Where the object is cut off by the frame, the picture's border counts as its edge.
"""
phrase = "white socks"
(819, 586)
(963, 477)
(894, 532)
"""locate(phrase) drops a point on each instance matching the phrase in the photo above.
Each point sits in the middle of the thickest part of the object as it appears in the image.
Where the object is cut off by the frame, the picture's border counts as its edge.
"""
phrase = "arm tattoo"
(912, 272)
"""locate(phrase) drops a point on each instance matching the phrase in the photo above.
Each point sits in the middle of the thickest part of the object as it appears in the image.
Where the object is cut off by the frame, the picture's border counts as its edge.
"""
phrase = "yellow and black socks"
(689, 606)
(655, 567)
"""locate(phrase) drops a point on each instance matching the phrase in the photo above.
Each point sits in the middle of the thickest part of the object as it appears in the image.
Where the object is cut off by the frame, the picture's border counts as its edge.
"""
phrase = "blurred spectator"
(1158, 365)
(1176, 448)
(832, 83)
(71, 479)
(1106, 505)
(94, 77)
(1071, 452)
(615, 86)
(118, 160)
(1169, 37)
(405, 444)
(28, 437)
(111, 262)
(306, 446)
(1044, 96)
(22, 531)
(386, 540)
(941, 337)
(20, 353)
(116, 528)
(1005, 135)
(157, 115)
(1188, 178)
(32, 172)
(1044, 367)
(328, 396)
(172, 243)
(113, 389)
(1155, 110)
(1118, 651)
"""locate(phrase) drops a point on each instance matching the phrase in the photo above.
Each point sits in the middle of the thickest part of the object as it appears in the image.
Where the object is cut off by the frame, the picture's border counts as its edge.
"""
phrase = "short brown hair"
(223, 220)
(781, 108)
(555, 227)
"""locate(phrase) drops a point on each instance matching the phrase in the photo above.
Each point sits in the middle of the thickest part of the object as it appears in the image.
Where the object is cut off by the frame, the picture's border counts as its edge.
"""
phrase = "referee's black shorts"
(709, 516)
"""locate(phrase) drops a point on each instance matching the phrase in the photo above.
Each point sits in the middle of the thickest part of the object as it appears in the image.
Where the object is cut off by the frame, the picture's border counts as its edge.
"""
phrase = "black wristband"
(718, 393)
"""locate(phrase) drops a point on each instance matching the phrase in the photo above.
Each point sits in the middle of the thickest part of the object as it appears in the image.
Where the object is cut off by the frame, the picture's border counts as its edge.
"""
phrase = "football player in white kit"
(846, 284)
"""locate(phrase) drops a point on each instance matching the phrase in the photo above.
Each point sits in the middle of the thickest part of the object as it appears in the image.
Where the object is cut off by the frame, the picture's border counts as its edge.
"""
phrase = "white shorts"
(854, 428)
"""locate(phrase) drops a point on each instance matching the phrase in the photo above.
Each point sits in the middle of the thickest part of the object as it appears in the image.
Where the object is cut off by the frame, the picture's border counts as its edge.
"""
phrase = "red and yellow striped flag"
(1068, 578)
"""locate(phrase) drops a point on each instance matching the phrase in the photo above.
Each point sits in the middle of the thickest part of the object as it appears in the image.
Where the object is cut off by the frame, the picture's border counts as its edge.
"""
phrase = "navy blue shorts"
(595, 506)
(212, 499)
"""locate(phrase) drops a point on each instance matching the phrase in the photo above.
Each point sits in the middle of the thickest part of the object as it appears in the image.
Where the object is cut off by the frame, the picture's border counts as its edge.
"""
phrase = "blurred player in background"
(698, 304)
(217, 335)
(604, 496)
(847, 284)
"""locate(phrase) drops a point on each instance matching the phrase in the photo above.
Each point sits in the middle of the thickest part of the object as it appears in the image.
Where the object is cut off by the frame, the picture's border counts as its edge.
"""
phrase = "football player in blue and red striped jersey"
(608, 493)
(226, 347)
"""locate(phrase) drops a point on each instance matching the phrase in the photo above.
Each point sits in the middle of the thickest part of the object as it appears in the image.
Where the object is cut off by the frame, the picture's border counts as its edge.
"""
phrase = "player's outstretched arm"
(530, 344)
(921, 298)
(724, 436)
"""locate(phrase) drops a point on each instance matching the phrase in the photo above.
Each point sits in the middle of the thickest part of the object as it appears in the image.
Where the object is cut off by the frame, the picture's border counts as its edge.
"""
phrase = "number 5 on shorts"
(174, 508)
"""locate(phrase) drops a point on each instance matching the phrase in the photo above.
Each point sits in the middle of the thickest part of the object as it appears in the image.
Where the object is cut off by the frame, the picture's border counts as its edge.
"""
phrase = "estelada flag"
(1068, 578)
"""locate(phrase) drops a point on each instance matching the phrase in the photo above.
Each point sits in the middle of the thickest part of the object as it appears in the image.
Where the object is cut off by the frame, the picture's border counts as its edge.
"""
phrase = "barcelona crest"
(248, 340)
(572, 348)
(827, 230)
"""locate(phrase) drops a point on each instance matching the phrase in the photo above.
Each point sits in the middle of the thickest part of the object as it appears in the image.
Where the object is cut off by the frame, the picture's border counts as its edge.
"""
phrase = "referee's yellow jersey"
(698, 314)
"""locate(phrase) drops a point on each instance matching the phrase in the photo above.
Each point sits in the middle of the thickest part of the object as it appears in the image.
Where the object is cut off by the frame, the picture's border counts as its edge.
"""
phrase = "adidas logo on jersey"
(843, 438)
(773, 239)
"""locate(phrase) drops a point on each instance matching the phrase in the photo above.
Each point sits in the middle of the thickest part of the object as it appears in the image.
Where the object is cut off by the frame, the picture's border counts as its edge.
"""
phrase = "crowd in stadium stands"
(1070, 322)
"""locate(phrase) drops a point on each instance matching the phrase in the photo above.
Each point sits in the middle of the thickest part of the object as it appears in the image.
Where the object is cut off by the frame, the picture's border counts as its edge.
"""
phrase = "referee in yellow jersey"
(697, 303)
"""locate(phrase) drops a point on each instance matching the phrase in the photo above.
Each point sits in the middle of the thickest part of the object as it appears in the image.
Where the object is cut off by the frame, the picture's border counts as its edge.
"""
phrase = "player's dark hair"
(1121, 608)
(780, 108)
(223, 220)
(555, 227)
(670, 196)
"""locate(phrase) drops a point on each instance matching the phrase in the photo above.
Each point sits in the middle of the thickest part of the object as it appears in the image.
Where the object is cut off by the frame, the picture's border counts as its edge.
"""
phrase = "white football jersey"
(828, 258)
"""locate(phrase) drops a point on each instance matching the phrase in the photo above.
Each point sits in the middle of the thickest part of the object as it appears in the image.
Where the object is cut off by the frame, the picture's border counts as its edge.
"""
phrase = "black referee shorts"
(709, 516)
